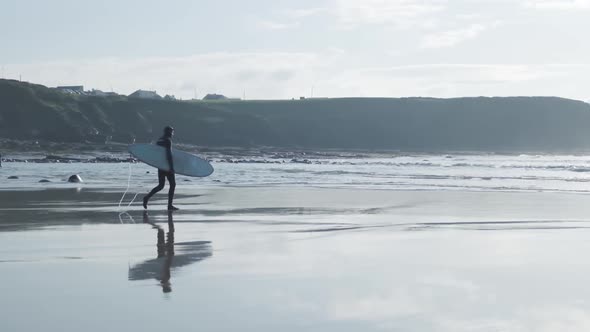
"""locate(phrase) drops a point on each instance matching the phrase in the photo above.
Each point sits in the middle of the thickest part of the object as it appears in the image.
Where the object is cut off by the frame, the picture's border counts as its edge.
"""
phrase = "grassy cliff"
(35, 112)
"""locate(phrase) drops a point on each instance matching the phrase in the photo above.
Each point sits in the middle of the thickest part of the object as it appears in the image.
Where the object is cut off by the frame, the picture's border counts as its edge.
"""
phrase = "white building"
(145, 94)
(73, 89)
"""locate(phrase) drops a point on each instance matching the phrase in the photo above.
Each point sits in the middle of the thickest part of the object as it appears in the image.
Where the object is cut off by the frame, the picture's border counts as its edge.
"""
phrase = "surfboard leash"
(128, 185)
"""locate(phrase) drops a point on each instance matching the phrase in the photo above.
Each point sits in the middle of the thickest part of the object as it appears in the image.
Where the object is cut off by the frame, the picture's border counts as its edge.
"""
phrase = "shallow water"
(250, 278)
(404, 243)
(403, 172)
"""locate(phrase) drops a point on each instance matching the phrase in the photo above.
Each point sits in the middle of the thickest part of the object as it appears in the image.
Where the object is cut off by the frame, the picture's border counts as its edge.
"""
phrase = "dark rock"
(58, 159)
(44, 181)
(13, 177)
(75, 179)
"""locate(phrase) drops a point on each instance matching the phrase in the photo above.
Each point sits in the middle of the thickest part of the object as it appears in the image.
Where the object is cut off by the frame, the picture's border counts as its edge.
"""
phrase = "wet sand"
(293, 259)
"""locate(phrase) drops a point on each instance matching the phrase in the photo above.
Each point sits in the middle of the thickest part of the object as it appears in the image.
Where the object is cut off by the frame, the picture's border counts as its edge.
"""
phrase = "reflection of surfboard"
(179, 255)
(184, 162)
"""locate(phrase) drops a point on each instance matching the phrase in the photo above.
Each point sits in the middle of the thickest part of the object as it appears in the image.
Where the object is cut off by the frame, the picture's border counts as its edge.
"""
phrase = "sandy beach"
(293, 259)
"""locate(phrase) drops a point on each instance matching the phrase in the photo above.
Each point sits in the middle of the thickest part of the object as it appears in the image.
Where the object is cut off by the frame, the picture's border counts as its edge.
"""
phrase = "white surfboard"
(184, 162)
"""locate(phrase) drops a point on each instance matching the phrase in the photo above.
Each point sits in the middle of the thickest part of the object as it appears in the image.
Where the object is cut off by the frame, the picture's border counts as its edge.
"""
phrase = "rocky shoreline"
(48, 152)
(95, 160)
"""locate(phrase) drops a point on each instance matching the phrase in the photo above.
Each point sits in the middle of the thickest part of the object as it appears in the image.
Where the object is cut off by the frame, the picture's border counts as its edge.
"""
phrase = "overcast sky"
(282, 49)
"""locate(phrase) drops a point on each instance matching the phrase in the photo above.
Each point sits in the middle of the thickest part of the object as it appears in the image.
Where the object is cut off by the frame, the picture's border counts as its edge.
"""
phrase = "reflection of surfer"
(165, 250)
(166, 142)
(171, 255)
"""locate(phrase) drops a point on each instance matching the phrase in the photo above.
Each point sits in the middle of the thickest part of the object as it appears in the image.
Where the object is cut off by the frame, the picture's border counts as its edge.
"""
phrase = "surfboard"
(184, 163)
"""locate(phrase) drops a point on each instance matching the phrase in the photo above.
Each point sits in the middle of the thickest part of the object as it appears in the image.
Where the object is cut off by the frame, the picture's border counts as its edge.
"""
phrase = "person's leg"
(160, 186)
(172, 182)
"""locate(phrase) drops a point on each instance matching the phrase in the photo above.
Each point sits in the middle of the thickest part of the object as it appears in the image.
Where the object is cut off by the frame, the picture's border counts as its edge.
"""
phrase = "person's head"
(168, 131)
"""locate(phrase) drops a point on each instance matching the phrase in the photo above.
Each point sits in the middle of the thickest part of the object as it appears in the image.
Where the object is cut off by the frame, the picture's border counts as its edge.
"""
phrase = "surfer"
(166, 142)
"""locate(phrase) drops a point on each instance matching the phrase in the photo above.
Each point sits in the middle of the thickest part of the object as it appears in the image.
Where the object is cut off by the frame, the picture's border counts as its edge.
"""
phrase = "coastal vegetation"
(497, 124)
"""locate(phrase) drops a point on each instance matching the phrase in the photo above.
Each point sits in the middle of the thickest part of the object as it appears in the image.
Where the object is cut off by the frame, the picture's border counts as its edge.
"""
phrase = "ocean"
(465, 172)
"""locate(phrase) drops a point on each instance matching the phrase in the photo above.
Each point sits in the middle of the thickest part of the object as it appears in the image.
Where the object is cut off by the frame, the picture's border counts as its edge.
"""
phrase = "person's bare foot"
(145, 201)
(172, 208)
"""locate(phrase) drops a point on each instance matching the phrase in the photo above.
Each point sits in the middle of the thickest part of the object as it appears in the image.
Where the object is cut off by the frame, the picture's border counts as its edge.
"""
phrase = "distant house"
(144, 94)
(73, 89)
(214, 96)
(100, 93)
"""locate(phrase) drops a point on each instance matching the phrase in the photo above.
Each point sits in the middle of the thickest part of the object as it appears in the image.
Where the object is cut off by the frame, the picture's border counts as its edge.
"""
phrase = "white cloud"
(457, 80)
(351, 13)
(452, 37)
(401, 13)
(304, 12)
(290, 18)
(558, 4)
(263, 75)
(270, 25)
(283, 75)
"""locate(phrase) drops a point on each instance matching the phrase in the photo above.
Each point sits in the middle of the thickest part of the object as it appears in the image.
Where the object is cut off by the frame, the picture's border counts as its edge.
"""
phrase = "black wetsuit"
(166, 142)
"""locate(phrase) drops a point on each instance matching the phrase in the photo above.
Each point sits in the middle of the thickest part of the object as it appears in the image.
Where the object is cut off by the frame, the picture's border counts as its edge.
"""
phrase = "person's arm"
(169, 155)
